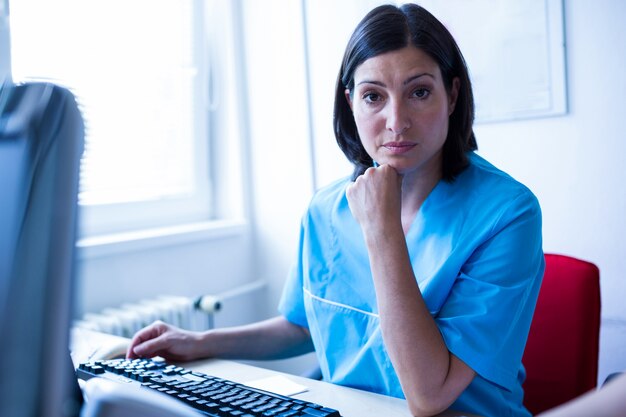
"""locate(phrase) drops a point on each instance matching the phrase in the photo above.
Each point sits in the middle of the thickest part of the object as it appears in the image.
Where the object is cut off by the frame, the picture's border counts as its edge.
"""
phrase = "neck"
(415, 189)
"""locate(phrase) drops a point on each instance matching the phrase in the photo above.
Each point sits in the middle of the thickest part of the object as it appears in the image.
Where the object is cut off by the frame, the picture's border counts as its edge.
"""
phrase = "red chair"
(561, 355)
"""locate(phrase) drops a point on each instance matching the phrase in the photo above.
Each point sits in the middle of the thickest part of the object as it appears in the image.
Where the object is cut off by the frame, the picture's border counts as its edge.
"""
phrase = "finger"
(150, 332)
(149, 348)
(389, 170)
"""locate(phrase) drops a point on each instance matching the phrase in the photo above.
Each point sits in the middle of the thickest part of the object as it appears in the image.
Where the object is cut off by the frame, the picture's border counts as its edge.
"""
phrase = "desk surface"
(350, 402)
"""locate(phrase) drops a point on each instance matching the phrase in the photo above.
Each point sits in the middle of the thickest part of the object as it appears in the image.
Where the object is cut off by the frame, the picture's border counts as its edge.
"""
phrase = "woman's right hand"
(167, 341)
(375, 199)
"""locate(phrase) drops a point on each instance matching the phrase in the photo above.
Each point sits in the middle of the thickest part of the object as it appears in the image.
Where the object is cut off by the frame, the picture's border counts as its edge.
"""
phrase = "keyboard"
(212, 396)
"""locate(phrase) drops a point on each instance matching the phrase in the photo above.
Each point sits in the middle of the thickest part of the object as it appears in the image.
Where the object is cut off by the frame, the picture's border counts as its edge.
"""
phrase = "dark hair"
(389, 28)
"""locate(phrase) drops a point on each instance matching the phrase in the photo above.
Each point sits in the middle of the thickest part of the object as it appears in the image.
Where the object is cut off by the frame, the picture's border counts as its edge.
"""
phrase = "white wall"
(192, 264)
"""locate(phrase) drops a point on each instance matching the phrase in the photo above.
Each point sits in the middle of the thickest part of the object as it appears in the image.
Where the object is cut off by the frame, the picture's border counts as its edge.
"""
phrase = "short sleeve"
(291, 304)
(486, 318)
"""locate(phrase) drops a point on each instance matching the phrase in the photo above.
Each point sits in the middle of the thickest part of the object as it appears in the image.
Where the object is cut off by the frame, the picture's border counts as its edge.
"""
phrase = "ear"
(348, 97)
(454, 94)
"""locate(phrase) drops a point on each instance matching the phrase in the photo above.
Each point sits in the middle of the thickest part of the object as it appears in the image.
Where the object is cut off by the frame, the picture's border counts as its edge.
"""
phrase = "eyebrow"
(407, 81)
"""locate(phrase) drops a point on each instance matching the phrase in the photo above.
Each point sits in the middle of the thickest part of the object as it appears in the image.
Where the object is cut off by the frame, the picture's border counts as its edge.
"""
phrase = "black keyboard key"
(275, 411)
(97, 369)
(143, 378)
(288, 414)
(252, 405)
(320, 412)
(263, 408)
(206, 406)
(118, 369)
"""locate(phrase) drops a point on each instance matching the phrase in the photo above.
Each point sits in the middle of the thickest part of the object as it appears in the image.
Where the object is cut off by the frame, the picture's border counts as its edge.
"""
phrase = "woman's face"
(401, 109)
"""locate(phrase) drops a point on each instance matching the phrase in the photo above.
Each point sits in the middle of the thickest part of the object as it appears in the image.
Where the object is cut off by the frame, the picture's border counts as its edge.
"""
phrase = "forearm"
(275, 338)
(431, 377)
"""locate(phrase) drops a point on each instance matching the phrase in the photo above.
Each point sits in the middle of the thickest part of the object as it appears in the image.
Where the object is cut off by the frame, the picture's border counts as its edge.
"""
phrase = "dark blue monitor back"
(41, 142)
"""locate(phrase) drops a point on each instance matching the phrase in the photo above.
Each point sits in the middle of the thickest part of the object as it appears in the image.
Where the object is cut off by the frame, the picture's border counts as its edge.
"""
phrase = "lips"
(397, 148)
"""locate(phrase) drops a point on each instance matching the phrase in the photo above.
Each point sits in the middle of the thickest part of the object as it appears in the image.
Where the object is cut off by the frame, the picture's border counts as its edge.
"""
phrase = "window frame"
(120, 218)
(200, 205)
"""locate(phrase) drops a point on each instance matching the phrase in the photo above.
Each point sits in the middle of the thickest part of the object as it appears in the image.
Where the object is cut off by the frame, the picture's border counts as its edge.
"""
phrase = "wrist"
(376, 235)
(206, 345)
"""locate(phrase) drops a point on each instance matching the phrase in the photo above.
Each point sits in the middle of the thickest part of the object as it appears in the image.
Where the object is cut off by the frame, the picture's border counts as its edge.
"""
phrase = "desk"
(349, 401)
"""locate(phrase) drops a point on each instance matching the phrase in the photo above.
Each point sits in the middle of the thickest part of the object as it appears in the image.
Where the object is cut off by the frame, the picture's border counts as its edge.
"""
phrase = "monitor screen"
(41, 142)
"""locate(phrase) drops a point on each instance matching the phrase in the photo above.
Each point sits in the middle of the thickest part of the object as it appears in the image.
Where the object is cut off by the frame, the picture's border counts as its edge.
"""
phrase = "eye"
(421, 93)
(371, 97)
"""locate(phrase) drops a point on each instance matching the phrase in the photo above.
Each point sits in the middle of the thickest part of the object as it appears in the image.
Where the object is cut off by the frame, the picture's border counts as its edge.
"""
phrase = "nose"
(398, 119)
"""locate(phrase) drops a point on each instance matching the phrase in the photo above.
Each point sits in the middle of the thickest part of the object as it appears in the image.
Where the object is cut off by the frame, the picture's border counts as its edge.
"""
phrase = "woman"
(418, 276)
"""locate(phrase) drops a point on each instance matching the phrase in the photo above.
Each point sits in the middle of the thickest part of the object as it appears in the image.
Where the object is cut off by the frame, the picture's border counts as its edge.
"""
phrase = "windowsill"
(141, 240)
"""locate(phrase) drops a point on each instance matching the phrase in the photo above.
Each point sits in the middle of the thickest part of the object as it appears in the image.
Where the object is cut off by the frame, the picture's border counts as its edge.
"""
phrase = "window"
(139, 70)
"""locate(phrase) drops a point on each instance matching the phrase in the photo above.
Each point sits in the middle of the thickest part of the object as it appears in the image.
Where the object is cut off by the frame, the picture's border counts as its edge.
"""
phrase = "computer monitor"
(41, 142)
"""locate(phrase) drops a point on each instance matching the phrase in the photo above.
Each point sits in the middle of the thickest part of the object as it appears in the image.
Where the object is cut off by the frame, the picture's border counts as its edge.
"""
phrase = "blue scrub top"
(476, 250)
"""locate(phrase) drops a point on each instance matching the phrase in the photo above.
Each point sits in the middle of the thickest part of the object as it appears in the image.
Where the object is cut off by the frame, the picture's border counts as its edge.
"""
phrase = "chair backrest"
(561, 355)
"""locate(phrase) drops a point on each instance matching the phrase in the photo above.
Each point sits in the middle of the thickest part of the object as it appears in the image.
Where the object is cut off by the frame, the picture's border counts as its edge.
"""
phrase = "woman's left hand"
(375, 198)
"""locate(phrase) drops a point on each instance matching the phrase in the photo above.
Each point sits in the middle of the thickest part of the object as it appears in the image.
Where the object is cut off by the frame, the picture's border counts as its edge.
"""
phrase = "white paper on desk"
(279, 385)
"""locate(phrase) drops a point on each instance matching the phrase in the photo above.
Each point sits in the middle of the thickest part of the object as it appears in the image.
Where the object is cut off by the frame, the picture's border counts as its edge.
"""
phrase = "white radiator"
(186, 313)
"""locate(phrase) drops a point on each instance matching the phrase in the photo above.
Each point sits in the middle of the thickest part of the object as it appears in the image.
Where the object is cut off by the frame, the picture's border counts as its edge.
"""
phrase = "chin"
(416, 169)
(402, 168)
